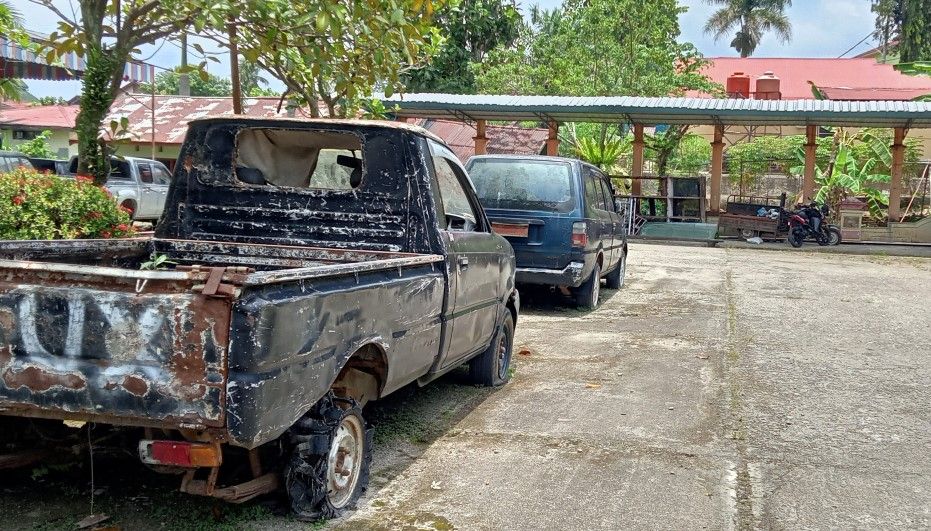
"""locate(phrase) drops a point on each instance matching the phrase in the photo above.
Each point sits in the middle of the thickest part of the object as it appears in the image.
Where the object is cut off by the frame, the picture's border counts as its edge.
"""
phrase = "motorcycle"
(801, 228)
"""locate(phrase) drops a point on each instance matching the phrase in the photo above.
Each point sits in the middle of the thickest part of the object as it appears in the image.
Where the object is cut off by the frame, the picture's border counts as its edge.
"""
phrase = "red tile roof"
(172, 113)
(502, 139)
(45, 116)
(848, 79)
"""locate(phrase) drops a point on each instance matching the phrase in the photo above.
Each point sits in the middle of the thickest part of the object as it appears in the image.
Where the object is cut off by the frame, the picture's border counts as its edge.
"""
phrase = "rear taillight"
(179, 453)
(579, 234)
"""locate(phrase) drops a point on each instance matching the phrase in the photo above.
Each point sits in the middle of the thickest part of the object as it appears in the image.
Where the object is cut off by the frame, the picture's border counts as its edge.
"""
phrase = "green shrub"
(38, 147)
(38, 206)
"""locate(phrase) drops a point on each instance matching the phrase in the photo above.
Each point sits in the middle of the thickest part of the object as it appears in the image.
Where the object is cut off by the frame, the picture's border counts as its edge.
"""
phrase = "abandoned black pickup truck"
(312, 266)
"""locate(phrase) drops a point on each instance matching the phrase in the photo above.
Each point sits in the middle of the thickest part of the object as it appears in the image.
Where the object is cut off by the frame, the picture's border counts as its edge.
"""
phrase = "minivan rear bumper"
(572, 275)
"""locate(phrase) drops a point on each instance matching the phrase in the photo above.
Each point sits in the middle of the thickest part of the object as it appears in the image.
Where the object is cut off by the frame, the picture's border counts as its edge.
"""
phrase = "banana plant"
(917, 68)
(850, 178)
(602, 150)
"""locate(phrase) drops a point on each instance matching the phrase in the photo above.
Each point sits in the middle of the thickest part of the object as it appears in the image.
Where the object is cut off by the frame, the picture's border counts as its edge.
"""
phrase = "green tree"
(331, 55)
(887, 25)
(251, 81)
(629, 47)
(107, 33)
(472, 28)
(11, 29)
(749, 20)
(915, 39)
(691, 156)
(169, 83)
(46, 101)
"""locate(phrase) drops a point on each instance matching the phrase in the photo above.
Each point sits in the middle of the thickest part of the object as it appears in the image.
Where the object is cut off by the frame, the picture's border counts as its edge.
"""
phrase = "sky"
(820, 28)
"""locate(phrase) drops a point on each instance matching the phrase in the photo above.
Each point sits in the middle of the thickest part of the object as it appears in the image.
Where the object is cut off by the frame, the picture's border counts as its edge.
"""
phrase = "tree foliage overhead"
(107, 33)
(598, 48)
(748, 21)
(472, 29)
(887, 25)
(915, 35)
(602, 48)
(11, 29)
(209, 85)
(329, 54)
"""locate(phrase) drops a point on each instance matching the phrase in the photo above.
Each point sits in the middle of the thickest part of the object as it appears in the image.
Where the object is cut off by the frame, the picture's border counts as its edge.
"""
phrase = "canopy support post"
(895, 185)
(552, 142)
(636, 170)
(481, 141)
(717, 169)
(811, 159)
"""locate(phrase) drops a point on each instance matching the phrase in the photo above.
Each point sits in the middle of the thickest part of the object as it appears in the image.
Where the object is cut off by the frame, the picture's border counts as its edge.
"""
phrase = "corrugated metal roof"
(652, 111)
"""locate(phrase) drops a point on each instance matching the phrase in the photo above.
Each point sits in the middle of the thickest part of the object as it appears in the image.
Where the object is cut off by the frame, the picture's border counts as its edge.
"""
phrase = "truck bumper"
(572, 275)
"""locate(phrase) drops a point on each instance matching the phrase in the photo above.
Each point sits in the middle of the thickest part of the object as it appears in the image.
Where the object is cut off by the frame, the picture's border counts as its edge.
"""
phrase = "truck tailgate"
(107, 344)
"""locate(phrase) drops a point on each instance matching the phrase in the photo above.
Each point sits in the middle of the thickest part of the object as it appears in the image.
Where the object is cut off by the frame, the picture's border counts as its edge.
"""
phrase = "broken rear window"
(299, 159)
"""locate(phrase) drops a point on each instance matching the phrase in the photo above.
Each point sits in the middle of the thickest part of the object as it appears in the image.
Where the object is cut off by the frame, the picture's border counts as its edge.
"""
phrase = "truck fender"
(362, 370)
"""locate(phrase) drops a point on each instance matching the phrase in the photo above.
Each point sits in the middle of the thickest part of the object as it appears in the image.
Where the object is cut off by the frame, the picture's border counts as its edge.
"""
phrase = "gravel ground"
(720, 388)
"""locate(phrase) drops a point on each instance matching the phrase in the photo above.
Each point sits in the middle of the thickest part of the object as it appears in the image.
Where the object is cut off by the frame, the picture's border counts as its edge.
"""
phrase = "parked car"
(312, 266)
(53, 166)
(561, 218)
(139, 185)
(10, 160)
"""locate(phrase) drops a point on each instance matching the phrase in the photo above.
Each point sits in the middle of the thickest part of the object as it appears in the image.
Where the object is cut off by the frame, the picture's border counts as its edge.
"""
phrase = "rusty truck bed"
(113, 343)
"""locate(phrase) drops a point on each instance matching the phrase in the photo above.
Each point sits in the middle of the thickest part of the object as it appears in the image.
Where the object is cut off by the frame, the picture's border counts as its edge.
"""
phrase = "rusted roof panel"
(502, 139)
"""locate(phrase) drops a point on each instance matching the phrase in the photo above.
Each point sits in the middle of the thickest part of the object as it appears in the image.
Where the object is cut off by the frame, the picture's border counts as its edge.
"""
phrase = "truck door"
(473, 255)
(149, 197)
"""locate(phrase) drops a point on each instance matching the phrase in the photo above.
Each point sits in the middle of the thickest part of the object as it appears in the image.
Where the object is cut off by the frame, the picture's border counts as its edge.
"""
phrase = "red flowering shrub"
(38, 206)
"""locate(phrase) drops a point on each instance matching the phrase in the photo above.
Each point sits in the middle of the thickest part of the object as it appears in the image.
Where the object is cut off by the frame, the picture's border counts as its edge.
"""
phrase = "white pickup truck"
(140, 185)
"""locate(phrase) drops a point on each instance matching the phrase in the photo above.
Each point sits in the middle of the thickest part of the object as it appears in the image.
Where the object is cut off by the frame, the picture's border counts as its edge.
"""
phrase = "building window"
(21, 134)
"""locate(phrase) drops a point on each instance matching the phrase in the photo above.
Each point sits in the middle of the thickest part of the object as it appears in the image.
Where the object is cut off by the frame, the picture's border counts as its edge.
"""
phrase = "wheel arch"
(364, 374)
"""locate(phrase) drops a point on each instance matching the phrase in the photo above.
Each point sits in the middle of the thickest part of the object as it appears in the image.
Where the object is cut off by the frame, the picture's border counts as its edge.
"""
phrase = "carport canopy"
(642, 111)
(654, 111)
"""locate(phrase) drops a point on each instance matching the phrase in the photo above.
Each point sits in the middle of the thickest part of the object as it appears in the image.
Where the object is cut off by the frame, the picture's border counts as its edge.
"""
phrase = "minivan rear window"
(524, 184)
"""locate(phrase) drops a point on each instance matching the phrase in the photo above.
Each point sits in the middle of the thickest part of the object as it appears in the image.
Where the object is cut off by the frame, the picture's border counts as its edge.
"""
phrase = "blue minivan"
(560, 216)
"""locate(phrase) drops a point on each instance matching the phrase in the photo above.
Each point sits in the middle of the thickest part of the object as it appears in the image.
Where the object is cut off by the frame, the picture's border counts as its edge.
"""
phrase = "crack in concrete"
(745, 514)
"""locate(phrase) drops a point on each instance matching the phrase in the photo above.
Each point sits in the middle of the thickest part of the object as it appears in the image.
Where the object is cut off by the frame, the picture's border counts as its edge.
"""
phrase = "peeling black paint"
(308, 278)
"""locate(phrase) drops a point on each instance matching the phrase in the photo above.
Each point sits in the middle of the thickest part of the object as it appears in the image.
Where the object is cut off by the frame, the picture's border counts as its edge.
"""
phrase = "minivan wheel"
(493, 367)
(329, 464)
(587, 294)
(615, 279)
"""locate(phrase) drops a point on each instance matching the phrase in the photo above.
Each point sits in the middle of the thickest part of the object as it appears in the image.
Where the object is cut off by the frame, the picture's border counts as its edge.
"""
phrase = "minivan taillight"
(579, 234)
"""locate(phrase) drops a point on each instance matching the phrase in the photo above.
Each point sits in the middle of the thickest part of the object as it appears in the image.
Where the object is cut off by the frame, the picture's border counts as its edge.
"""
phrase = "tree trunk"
(96, 98)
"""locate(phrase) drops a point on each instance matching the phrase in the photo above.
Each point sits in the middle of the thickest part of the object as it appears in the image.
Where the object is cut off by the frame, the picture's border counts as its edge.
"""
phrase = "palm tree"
(751, 19)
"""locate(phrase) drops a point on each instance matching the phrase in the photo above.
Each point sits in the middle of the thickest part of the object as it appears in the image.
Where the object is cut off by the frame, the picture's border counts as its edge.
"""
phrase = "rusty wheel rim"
(344, 461)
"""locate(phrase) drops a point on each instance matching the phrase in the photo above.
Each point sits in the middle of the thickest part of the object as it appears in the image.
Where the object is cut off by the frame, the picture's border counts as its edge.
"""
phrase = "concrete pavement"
(721, 388)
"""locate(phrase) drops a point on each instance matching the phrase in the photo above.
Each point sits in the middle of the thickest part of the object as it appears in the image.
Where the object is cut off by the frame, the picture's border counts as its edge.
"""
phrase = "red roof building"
(839, 79)
(39, 116)
(172, 114)
(502, 139)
